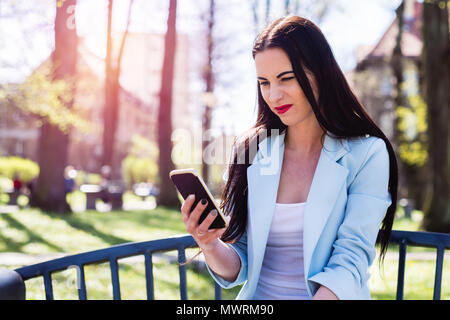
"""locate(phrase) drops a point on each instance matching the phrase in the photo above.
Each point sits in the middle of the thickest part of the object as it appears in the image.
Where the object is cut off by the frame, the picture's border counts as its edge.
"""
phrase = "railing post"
(182, 270)
(217, 291)
(438, 273)
(81, 283)
(149, 276)
(115, 278)
(401, 269)
(48, 286)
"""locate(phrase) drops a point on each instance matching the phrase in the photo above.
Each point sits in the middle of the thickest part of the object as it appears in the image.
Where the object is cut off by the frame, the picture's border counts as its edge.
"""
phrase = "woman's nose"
(275, 94)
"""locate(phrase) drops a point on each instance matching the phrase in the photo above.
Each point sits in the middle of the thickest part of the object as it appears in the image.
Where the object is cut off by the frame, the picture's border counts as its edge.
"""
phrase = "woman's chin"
(287, 121)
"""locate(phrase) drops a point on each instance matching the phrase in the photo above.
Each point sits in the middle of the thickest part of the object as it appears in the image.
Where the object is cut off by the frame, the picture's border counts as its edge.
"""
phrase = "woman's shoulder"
(363, 150)
(365, 145)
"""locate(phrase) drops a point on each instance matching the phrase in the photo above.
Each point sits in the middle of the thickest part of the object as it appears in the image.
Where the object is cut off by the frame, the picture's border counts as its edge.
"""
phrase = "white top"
(282, 275)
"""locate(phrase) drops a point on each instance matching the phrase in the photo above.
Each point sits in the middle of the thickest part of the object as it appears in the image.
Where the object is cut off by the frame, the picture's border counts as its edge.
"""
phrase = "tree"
(111, 108)
(407, 146)
(208, 77)
(53, 142)
(436, 70)
(397, 68)
(315, 10)
(168, 194)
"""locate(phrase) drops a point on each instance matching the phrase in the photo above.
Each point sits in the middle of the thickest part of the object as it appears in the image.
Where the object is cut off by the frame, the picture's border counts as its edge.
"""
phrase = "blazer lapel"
(328, 180)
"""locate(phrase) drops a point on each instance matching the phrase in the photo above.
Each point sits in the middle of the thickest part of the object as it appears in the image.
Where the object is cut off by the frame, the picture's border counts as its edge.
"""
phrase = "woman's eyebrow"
(280, 75)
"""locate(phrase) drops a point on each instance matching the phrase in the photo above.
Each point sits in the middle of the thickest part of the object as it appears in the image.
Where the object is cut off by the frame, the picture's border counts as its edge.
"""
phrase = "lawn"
(31, 231)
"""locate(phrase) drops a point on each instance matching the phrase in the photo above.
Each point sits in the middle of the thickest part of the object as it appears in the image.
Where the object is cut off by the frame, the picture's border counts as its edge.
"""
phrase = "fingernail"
(204, 201)
(191, 196)
(214, 213)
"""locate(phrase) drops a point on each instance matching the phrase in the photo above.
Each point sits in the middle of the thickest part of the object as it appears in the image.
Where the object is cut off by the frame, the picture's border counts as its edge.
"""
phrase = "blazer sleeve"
(239, 246)
(347, 271)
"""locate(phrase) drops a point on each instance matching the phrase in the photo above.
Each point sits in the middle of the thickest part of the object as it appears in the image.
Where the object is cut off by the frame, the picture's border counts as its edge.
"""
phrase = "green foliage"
(50, 100)
(412, 126)
(86, 177)
(26, 168)
(143, 148)
(137, 170)
(141, 164)
(441, 3)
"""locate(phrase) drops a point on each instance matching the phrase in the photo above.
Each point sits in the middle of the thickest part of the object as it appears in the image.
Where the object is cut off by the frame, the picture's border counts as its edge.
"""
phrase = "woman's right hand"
(204, 237)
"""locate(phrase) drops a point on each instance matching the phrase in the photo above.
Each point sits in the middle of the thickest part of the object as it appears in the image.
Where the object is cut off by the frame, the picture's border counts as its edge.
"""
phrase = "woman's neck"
(304, 140)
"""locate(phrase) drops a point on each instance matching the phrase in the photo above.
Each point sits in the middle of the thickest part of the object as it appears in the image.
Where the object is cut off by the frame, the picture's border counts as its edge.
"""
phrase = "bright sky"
(349, 24)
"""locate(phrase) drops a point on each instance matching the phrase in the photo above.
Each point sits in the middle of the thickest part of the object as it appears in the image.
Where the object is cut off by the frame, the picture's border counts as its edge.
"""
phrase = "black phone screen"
(188, 183)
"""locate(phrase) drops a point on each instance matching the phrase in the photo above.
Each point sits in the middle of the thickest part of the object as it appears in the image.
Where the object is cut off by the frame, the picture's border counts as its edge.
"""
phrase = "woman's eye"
(266, 83)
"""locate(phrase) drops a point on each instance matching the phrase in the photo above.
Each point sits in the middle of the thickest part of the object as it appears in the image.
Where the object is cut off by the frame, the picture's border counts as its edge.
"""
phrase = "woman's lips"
(283, 108)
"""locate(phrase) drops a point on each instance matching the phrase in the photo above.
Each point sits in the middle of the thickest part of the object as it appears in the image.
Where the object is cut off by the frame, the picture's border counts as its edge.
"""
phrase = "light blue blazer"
(345, 206)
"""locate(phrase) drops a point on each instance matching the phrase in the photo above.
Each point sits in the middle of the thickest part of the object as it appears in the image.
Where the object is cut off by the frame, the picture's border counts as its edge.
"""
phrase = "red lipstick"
(283, 108)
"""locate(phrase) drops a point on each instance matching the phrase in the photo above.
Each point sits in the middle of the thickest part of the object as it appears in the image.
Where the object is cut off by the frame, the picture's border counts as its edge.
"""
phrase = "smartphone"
(188, 181)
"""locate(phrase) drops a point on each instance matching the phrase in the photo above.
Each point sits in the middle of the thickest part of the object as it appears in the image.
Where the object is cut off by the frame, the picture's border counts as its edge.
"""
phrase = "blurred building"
(140, 82)
(18, 132)
(373, 78)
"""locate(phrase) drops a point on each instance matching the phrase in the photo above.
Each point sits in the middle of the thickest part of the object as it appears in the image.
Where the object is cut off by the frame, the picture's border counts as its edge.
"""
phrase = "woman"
(306, 210)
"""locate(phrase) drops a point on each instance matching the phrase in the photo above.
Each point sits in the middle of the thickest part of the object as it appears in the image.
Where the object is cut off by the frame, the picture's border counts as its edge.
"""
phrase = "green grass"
(419, 269)
(31, 231)
(419, 278)
(34, 232)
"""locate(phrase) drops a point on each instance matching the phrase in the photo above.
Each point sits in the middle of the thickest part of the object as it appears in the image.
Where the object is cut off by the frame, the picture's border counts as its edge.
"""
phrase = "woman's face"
(280, 88)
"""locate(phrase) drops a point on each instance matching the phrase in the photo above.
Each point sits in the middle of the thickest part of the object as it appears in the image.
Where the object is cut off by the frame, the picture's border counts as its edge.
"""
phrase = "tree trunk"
(110, 110)
(399, 99)
(410, 179)
(168, 194)
(436, 64)
(53, 144)
(397, 70)
(209, 80)
(111, 107)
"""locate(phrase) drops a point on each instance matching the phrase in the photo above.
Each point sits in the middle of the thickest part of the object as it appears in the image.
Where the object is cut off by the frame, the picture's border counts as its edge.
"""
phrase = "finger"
(187, 204)
(204, 226)
(195, 214)
(186, 207)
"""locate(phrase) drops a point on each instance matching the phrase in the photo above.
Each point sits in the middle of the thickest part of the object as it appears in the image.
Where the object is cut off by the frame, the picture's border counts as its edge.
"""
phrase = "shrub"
(86, 177)
(26, 168)
(136, 170)
(141, 163)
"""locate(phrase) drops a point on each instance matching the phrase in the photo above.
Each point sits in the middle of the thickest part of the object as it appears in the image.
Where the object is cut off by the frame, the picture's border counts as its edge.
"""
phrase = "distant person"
(105, 182)
(69, 179)
(17, 187)
(31, 186)
(17, 183)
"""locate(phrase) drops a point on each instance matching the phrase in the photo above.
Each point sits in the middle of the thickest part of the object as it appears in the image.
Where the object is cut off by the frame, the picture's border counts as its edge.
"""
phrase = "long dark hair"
(337, 110)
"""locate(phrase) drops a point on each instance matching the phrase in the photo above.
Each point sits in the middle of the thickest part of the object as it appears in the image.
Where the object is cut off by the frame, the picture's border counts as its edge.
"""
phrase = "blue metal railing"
(440, 241)
(112, 255)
